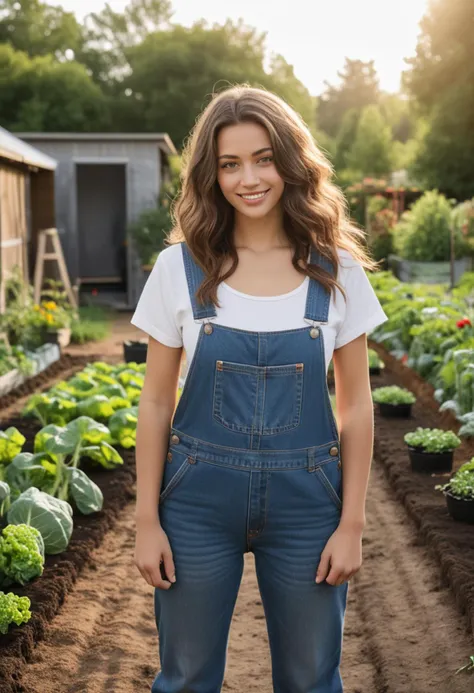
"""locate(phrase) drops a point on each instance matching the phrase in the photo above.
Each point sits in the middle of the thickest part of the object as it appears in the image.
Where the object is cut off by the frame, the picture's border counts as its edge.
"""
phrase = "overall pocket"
(258, 399)
(330, 476)
(176, 467)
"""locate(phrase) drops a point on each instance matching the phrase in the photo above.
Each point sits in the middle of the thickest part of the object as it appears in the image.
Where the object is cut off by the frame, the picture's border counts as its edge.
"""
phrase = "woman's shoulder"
(346, 259)
(171, 258)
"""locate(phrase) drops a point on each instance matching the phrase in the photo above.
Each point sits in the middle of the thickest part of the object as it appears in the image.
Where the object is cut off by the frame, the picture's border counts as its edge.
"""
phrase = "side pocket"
(330, 475)
(173, 473)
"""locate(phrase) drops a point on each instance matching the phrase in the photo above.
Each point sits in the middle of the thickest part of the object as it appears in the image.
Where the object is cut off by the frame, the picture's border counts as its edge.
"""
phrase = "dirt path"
(403, 633)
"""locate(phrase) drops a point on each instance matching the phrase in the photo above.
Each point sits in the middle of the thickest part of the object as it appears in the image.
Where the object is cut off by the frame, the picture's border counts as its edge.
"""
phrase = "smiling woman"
(262, 283)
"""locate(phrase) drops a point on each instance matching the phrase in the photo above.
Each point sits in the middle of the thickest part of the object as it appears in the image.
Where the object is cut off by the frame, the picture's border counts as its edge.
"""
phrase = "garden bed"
(452, 543)
(42, 357)
(48, 592)
(63, 368)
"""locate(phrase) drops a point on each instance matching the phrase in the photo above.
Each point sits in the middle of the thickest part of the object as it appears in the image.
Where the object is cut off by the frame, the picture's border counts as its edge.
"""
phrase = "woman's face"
(246, 172)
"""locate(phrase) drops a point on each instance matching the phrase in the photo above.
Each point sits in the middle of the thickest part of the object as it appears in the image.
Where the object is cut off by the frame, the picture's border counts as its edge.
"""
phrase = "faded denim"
(253, 465)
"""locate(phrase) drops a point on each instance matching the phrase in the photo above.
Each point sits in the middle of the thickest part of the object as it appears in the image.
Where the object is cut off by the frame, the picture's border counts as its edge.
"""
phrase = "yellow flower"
(50, 305)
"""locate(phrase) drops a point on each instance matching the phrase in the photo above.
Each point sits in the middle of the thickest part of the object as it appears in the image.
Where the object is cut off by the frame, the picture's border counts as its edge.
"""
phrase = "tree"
(441, 79)
(371, 153)
(173, 74)
(109, 34)
(39, 29)
(42, 94)
(359, 88)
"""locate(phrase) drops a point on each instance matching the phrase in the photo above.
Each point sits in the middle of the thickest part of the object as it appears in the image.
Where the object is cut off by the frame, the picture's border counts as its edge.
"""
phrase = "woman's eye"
(266, 158)
(229, 163)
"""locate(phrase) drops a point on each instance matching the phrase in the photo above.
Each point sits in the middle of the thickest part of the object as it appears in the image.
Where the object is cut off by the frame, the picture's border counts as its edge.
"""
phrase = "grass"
(94, 325)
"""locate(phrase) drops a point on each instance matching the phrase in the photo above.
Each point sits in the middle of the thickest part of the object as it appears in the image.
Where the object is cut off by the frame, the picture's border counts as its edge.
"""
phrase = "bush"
(392, 394)
(149, 233)
(432, 440)
(92, 325)
(423, 232)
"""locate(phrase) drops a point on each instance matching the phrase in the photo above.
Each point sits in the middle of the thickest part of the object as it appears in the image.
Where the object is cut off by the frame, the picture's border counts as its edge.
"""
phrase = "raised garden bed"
(43, 357)
(48, 592)
(450, 542)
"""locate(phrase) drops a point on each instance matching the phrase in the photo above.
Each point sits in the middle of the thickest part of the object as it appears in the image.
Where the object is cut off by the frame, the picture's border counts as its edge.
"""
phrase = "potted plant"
(149, 233)
(135, 350)
(431, 449)
(459, 493)
(375, 363)
(393, 401)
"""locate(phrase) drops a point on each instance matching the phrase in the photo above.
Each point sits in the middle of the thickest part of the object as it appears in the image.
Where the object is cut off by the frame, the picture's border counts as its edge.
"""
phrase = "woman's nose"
(250, 176)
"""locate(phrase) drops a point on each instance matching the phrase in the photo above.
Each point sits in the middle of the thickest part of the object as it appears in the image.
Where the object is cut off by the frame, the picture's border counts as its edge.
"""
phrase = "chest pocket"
(258, 399)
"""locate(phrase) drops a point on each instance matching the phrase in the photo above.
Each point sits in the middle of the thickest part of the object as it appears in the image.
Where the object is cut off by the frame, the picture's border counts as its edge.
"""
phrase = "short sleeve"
(155, 313)
(363, 312)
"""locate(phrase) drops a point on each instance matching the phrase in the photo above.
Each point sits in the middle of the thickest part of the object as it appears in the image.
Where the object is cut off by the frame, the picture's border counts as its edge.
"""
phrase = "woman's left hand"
(341, 557)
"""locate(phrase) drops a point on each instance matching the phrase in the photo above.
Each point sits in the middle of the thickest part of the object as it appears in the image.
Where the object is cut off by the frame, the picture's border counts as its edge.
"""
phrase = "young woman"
(264, 282)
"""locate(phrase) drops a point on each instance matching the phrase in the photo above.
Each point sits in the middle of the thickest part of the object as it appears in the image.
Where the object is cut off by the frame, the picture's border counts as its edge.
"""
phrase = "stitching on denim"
(194, 277)
(326, 395)
(191, 369)
(328, 444)
(332, 491)
(175, 479)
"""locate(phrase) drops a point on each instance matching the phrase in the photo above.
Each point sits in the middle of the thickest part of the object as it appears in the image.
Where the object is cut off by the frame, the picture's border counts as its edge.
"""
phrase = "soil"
(409, 620)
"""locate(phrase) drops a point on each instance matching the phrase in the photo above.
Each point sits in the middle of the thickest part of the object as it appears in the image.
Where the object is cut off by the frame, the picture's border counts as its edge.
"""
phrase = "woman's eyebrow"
(233, 156)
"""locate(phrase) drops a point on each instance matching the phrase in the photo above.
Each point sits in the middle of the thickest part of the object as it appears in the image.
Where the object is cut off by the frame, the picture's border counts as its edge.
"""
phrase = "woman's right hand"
(151, 548)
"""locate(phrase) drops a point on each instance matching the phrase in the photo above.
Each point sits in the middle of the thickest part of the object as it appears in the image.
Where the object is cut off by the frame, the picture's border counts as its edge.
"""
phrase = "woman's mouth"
(254, 198)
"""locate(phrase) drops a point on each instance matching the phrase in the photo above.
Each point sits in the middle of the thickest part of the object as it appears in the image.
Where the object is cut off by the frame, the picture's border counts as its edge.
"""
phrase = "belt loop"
(311, 459)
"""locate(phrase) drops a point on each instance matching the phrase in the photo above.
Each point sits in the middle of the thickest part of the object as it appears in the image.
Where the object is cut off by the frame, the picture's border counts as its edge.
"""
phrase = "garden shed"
(103, 182)
(26, 205)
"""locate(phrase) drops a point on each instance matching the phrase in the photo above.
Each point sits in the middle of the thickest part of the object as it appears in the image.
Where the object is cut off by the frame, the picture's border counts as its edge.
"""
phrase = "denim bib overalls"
(253, 465)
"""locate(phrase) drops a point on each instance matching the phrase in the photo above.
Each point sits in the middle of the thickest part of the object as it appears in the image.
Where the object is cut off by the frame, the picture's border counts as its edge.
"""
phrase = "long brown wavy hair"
(314, 209)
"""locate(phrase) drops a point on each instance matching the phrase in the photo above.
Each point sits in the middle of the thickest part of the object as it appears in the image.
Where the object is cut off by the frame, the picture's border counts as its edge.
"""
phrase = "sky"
(315, 36)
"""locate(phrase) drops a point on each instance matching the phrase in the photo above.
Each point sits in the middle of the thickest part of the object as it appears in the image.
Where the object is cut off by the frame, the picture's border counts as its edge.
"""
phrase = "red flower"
(94, 292)
(404, 358)
(462, 323)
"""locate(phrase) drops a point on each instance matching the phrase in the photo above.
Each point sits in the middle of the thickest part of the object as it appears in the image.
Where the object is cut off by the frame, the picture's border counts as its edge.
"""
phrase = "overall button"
(334, 451)
(208, 328)
(169, 456)
(314, 332)
(174, 439)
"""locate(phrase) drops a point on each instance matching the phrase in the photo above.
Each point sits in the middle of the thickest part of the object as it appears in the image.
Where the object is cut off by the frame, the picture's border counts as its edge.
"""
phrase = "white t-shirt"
(164, 310)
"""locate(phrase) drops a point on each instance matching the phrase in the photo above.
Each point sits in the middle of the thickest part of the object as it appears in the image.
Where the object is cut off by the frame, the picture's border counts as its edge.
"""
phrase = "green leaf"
(86, 494)
(105, 454)
(97, 407)
(11, 443)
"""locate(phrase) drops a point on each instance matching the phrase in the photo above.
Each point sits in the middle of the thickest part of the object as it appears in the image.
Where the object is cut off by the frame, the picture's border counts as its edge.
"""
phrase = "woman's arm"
(155, 411)
(342, 555)
(355, 418)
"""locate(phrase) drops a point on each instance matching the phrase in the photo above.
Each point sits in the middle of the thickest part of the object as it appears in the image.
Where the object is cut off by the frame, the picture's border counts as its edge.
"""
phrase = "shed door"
(101, 222)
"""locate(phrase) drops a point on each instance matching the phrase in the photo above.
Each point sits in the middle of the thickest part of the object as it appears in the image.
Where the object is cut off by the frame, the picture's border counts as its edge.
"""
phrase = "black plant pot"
(135, 351)
(374, 370)
(430, 462)
(399, 411)
(460, 509)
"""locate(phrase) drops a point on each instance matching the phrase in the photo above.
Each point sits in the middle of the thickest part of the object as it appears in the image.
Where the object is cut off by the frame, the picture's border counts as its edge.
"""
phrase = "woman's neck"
(260, 235)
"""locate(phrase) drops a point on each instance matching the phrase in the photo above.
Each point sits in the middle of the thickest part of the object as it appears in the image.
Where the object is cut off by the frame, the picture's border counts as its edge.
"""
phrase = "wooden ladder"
(57, 255)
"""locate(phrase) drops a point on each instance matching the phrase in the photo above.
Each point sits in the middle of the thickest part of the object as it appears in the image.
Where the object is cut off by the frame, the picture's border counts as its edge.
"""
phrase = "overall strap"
(194, 277)
(318, 298)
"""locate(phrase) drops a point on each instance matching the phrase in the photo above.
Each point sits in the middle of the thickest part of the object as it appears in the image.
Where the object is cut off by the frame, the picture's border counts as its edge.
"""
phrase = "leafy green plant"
(15, 358)
(461, 484)
(392, 394)
(52, 517)
(21, 555)
(432, 440)
(123, 427)
(423, 232)
(149, 232)
(13, 609)
(93, 324)
(374, 359)
(11, 443)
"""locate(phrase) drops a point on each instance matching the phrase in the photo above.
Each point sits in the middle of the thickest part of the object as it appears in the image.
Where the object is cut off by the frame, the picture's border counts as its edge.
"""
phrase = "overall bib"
(253, 465)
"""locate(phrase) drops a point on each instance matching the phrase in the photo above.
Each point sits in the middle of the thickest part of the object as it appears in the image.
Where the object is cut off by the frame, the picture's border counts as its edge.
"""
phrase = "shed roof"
(162, 139)
(14, 149)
